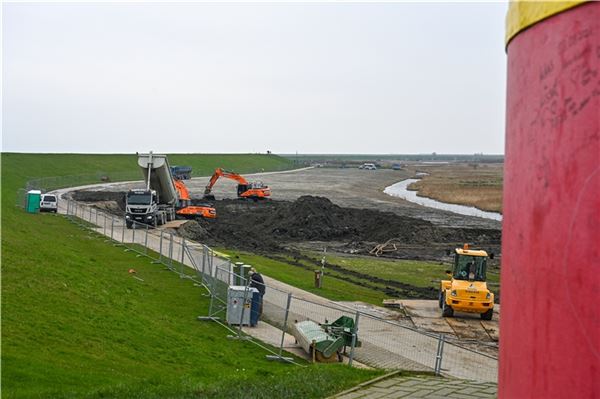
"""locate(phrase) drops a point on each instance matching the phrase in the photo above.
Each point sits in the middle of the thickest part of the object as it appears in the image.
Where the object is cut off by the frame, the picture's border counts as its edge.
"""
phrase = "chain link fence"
(376, 342)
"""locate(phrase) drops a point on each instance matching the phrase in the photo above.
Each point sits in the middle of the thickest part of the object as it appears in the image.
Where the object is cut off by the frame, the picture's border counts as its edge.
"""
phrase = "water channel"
(400, 190)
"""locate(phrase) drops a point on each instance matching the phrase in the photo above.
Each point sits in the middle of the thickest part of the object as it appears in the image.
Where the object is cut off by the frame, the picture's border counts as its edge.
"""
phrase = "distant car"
(368, 166)
(396, 166)
(48, 203)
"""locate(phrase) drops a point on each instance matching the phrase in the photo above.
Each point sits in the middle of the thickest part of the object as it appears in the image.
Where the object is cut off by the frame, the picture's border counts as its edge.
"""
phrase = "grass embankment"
(124, 166)
(478, 185)
(75, 323)
(339, 286)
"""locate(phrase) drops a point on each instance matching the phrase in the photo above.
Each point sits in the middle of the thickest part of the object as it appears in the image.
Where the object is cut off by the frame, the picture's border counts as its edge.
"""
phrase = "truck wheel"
(154, 221)
(129, 224)
(487, 315)
(447, 310)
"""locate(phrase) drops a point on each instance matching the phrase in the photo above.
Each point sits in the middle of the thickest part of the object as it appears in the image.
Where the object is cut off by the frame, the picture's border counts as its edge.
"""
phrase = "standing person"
(256, 281)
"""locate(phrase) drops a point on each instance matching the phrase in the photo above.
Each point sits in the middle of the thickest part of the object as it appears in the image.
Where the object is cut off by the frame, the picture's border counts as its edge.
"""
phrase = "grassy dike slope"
(76, 324)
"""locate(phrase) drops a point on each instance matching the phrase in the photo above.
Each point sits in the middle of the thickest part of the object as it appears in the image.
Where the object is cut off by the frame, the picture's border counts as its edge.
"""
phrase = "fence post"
(104, 230)
(96, 217)
(159, 260)
(439, 355)
(246, 289)
(171, 252)
(123, 228)
(112, 227)
(146, 242)
(284, 330)
(354, 332)
(182, 246)
(133, 234)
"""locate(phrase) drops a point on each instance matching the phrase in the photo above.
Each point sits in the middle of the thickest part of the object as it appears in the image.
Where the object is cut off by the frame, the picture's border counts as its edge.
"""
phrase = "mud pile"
(101, 196)
(275, 226)
(271, 225)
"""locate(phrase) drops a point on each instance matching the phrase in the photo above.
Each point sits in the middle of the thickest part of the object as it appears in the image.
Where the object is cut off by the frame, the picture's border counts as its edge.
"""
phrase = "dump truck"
(467, 291)
(181, 172)
(163, 198)
(245, 189)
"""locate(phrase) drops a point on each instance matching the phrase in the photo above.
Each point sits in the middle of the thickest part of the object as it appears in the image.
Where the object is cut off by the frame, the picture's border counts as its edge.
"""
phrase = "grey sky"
(312, 78)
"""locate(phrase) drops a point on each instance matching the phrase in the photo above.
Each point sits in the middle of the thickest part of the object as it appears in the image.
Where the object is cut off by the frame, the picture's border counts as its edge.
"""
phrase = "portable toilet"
(33, 201)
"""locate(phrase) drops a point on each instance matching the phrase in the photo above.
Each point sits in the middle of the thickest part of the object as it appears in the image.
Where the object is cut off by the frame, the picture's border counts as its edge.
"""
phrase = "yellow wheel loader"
(467, 290)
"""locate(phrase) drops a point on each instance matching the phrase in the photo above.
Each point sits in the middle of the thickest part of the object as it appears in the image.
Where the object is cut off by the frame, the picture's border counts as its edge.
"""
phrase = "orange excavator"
(188, 210)
(254, 191)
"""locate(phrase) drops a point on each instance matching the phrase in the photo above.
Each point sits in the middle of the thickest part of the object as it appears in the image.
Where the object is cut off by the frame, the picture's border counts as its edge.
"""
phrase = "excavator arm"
(223, 173)
(245, 189)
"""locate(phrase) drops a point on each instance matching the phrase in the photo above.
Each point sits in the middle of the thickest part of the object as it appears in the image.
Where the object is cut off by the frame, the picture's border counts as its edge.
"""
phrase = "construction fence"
(379, 342)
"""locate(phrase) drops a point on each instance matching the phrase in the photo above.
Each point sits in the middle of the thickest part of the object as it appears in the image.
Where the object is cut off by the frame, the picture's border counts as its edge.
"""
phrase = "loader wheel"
(487, 315)
(441, 299)
(447, 310)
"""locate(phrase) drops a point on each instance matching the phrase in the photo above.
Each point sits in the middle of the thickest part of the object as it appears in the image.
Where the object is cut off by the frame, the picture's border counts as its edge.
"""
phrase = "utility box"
(33, 201)
(239, 300)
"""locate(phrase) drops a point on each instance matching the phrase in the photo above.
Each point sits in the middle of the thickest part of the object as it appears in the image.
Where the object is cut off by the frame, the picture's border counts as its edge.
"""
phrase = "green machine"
(33, 201)
(326, 341)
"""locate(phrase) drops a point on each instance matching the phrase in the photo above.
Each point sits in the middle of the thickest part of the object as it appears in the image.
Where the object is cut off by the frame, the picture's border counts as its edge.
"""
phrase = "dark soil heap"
(267, 225)
(272, 225)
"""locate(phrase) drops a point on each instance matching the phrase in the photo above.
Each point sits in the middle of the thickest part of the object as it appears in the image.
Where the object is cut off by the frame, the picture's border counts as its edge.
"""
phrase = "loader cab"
(467, 290)
(469, 267)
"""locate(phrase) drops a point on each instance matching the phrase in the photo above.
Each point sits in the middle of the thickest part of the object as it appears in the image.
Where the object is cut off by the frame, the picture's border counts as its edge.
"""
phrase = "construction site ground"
(360, 195)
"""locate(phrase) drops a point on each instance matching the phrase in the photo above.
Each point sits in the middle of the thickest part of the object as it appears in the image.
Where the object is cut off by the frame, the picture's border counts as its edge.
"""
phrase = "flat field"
(478, 185)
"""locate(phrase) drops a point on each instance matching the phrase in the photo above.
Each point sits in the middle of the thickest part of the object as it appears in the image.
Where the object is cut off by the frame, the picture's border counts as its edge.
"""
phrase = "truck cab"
(141, 207)
(467, 290)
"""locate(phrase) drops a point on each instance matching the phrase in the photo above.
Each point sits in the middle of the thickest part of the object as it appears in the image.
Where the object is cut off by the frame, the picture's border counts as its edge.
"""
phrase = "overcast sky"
(313, 78)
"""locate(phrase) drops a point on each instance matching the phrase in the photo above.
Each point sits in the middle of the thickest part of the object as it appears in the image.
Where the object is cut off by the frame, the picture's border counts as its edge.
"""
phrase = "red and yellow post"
(550, 324)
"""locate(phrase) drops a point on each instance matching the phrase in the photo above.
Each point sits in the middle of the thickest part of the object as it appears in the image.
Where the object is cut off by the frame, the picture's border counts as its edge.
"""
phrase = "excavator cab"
(467, 290)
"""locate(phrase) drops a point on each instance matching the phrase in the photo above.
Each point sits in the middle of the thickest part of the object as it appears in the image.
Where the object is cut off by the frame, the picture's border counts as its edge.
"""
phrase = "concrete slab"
(435, 325)
(492, 328)
(468, 328)
(421, 308)
(372, 310)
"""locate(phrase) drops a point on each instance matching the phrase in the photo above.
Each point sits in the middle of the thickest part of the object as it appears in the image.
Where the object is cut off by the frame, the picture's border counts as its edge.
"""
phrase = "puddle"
(400, 190)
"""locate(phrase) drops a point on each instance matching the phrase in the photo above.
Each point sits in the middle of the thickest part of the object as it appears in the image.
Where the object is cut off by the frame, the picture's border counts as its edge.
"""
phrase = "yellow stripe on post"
(523, 14)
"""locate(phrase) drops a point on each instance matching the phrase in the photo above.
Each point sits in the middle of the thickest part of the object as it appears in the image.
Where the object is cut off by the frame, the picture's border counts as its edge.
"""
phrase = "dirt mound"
(271, 225)
(101, 196)
(275, 226)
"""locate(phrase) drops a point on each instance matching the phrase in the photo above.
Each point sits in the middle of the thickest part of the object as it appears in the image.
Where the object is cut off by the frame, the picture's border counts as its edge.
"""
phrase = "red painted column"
(550, 322)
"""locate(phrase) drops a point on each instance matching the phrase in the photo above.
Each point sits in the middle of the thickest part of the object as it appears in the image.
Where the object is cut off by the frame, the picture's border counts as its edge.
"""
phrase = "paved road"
(422, 387)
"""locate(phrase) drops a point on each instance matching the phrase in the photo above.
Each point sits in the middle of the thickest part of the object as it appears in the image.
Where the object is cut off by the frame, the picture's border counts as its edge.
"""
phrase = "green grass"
(75, 323)
(124, 166)
(333, 288)
(339, 287)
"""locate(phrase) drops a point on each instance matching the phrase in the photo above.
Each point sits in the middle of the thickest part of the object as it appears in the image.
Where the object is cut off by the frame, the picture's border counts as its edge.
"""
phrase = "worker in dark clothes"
(256, 281)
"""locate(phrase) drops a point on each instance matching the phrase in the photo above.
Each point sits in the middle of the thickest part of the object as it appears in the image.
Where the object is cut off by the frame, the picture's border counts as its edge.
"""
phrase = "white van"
(368, 166)
(48, 203)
